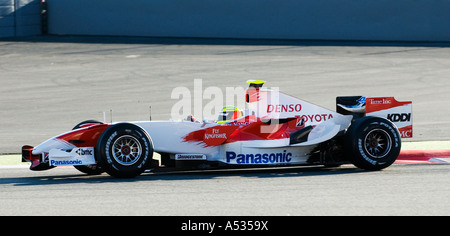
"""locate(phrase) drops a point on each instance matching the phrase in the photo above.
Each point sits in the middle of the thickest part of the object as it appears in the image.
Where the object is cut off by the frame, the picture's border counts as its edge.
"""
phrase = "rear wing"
(400, 113)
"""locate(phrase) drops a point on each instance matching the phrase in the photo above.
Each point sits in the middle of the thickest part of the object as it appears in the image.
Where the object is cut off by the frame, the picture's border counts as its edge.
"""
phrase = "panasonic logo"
(65, 162)
(259, 158)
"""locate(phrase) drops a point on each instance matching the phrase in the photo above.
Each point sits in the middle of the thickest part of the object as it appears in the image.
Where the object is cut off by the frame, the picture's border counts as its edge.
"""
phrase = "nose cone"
(83, 137)
(53, 143)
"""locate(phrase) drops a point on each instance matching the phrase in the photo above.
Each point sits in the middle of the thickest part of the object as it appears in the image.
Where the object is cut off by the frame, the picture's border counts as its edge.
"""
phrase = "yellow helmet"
(229, 113)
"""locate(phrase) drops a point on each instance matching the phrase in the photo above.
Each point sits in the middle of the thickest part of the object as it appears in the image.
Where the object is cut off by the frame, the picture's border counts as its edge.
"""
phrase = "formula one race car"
(275, 130)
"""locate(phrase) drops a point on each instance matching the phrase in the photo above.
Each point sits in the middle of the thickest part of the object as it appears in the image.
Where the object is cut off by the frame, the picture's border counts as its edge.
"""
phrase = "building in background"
(381, 20)
(20, 18)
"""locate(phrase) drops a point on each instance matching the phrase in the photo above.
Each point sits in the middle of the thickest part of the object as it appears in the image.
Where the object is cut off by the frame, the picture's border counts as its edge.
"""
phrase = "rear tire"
(373, 143)
(124, 150)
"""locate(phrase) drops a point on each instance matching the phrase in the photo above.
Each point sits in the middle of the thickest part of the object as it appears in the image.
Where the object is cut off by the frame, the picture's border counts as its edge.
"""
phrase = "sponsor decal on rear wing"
(400, 113)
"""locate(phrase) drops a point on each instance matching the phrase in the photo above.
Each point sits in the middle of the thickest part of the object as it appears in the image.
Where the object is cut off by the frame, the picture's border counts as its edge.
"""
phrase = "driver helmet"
(229, 113)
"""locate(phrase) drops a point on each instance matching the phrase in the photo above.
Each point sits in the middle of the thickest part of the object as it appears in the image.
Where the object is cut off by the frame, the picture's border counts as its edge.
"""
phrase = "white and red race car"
(275, 130)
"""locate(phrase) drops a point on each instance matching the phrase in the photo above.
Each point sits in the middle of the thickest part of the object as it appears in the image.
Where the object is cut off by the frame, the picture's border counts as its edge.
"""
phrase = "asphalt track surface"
(397, 190)
(412, 186)
(49, 84)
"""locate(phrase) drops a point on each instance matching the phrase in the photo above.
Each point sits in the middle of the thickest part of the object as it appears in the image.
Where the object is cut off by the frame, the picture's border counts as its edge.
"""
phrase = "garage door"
(7, 22)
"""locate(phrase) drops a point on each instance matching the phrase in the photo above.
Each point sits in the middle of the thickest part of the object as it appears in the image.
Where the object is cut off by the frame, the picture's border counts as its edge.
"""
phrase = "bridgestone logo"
(190, 157)
(108, 144)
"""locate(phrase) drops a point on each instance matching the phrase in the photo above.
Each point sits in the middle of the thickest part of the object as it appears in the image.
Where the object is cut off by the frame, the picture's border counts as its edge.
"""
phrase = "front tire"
(373, 143)
(124, 150)
(89, 169)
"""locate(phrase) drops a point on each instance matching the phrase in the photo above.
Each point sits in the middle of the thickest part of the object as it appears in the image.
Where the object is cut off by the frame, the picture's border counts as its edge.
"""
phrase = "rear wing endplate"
(400, 113)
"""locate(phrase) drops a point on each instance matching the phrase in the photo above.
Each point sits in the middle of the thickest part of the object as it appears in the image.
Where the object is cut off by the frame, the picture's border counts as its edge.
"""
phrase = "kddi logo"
(84, 152)
(404, 117)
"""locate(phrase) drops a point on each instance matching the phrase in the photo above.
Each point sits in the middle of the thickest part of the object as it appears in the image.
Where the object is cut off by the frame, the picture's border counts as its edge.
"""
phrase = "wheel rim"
(378, 143)
(127, 150)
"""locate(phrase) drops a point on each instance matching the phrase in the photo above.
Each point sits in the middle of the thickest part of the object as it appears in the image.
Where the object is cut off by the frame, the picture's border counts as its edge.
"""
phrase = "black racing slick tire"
(89, 169)
(373, 143)
(123, 150)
